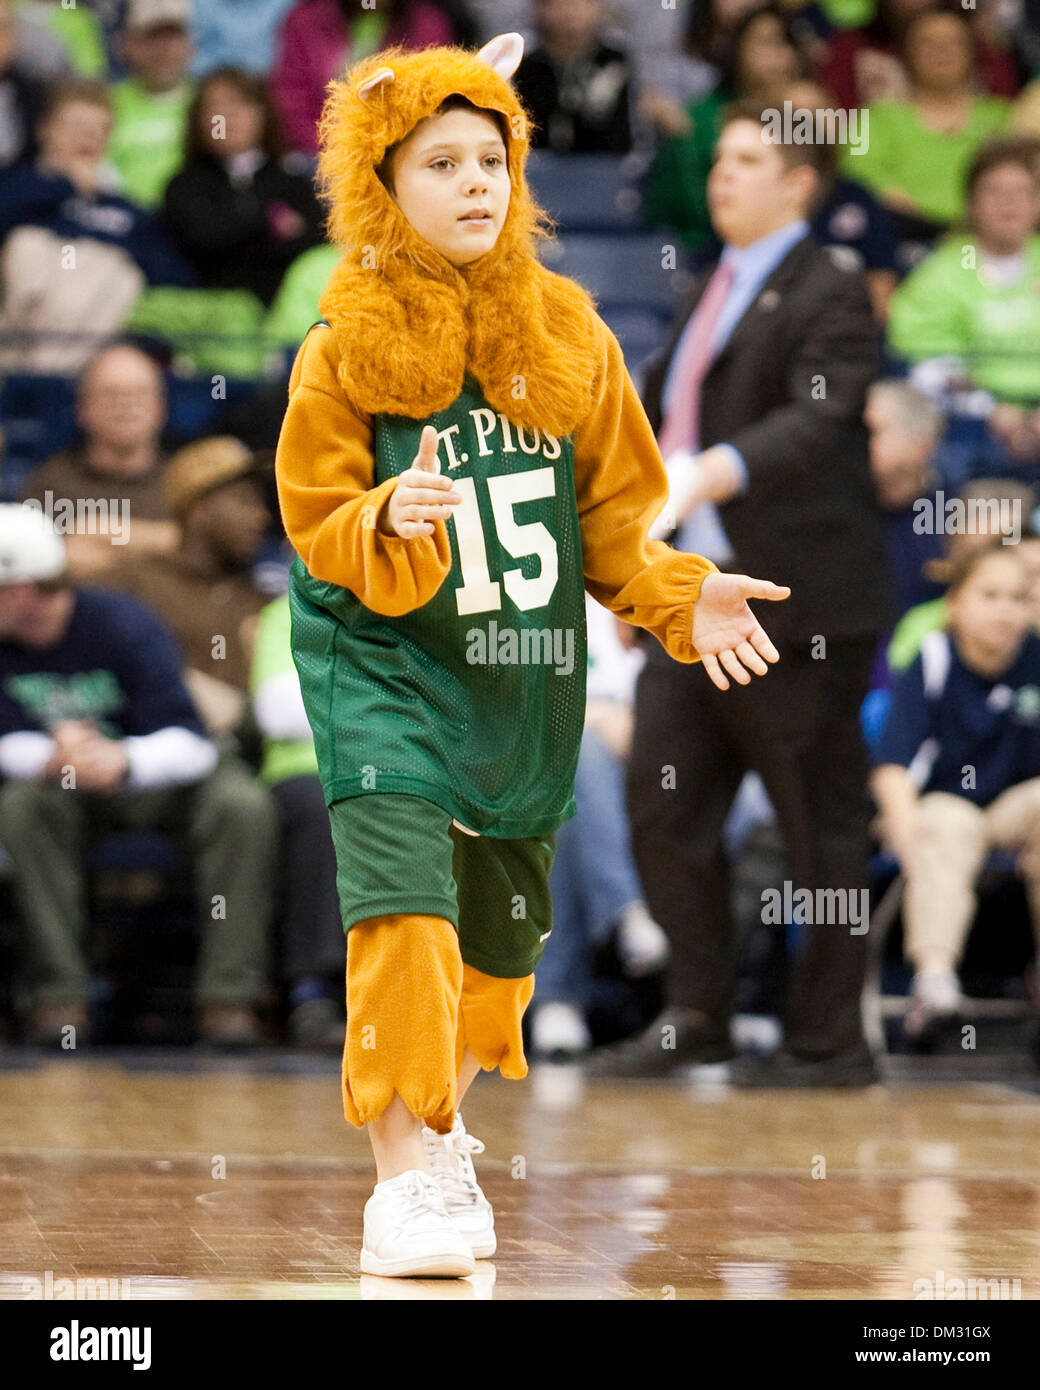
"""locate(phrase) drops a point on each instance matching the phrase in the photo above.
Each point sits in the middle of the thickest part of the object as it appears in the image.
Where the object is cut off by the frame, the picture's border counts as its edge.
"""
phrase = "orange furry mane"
(409, 325)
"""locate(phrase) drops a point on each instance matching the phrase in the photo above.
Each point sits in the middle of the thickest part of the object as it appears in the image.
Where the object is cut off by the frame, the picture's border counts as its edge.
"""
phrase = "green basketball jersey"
(476, 701)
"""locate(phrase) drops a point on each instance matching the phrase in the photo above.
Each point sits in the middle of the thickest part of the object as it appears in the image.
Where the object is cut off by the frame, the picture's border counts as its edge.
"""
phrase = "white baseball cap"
(31, 551)
(151, 14)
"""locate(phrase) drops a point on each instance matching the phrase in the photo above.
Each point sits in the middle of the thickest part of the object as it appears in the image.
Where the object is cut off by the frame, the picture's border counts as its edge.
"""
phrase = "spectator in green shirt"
(151, 105)
(295, 309)
(919, 148)
(969, 315)
(985, 500)
(313, 951)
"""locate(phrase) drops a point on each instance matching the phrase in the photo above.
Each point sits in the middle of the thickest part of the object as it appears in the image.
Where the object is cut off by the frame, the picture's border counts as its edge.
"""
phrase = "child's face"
(993, 608)
(78, 130)
(449, 168)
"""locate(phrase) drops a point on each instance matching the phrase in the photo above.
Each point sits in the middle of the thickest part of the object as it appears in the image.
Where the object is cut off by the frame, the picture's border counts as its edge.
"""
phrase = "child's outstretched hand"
(422, 494)
(727, 633)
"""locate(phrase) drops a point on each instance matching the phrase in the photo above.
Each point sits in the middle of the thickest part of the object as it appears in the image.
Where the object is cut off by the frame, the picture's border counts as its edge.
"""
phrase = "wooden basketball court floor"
(188, 1177)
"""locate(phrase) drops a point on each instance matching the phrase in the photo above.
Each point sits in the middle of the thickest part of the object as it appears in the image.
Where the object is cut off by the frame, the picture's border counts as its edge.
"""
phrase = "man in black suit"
(758, 405)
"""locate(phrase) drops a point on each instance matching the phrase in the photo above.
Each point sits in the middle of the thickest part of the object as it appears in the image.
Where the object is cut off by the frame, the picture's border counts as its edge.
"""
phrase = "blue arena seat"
(587, 192)
(639, 331)
(622, 272)
(37, 419)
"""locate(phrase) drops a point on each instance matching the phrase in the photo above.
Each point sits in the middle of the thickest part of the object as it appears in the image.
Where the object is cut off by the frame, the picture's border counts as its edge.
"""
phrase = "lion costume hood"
(408, 324)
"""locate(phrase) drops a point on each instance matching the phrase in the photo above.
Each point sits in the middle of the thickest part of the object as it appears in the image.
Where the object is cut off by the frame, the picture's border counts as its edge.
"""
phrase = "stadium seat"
(640, 333)
(587, 192)
(37, 419)
(622, 272)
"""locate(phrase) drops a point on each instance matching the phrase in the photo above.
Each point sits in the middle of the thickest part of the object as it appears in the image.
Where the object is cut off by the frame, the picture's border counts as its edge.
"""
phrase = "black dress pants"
(798, 728)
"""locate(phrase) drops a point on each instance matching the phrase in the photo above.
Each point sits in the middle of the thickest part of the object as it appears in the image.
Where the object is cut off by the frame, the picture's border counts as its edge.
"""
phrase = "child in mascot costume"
(454, 378)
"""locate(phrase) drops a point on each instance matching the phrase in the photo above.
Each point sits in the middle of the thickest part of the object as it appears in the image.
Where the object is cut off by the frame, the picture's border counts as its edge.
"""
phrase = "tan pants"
(60, 298)
(953, 838)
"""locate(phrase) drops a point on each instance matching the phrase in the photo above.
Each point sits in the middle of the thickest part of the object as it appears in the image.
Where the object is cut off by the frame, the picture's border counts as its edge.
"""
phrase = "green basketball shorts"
(401, 853)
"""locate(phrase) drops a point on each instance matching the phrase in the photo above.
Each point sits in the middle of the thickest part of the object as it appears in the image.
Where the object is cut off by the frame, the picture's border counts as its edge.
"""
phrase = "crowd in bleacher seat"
(98, 730)
(162, 255)
(237, 209)
(121, 412)
(955, 776)
(576, 89)
(963, 316)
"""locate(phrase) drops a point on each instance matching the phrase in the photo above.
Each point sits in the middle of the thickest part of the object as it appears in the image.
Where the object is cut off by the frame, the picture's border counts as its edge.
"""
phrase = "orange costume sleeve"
(331, 509)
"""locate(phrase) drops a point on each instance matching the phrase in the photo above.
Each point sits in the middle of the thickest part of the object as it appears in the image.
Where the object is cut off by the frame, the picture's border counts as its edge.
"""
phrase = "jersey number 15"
(479, 593)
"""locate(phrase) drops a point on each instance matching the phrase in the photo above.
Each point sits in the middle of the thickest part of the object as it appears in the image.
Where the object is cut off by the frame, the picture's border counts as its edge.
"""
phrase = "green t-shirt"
(295, 308)
(677, 185)
(911, 630)
(366, 35)
(849, 14)
(476, 700)
(147, 145)
(904, 154)
(272, 656)
(953, 305)
(80, 33)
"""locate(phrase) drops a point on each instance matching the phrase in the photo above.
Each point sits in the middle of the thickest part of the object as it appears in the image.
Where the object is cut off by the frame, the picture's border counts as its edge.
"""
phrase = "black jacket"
(227, 230)
(580, 108)
(788, 391)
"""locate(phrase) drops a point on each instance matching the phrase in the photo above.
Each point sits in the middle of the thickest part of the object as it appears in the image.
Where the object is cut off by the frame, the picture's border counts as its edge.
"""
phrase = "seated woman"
(864, 65)
(241, 213)
(969, 316)
(74, 257)
(239, 210)
(958, 768)
(919, 147)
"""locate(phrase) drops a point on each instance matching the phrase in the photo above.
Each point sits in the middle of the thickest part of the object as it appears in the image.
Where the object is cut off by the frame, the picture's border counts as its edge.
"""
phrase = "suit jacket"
(788, 391)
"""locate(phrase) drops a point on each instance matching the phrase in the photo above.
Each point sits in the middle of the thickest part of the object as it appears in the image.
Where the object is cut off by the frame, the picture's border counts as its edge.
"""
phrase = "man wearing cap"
(97, 731)
(151, 104)
(203, 589)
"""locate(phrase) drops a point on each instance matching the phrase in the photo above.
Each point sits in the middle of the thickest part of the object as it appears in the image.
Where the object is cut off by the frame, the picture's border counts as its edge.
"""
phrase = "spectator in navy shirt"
(75, 256)
(905, 431)
(958, 767)
(847, 214)
(97, 731)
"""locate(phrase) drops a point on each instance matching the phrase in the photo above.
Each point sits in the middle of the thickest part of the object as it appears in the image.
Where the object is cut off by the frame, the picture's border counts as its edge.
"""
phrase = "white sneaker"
(935, 994)
(449, 1157)
(559, 1029)
(641, 943)
(408, 1231)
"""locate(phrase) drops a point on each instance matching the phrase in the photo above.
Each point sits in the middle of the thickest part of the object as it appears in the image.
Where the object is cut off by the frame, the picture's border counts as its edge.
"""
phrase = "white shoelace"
(421, 1195)
(450, 1158)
